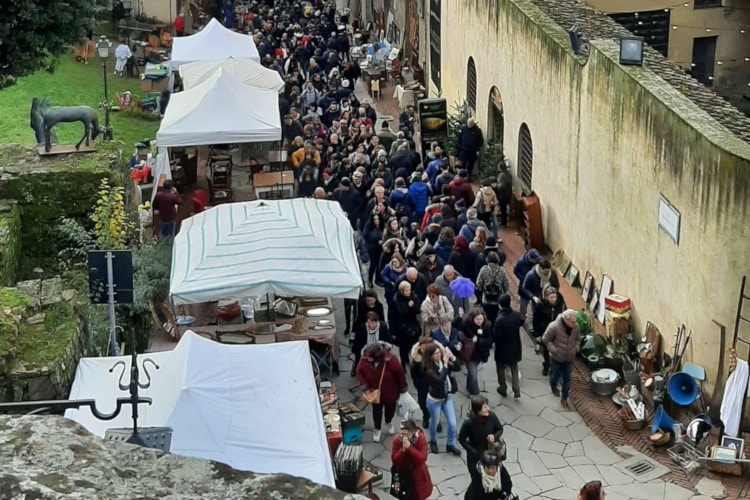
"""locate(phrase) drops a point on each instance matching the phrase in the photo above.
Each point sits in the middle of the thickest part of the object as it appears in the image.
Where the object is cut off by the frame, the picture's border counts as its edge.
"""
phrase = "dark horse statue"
(43, 118)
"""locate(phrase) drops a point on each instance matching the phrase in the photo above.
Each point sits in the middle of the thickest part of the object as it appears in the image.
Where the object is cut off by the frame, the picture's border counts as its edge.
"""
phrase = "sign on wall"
(433, 122)
(435, 42)
(669, 219)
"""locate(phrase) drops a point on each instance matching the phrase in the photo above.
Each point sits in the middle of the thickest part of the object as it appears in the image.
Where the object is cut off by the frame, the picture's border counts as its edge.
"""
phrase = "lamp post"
(103, 46)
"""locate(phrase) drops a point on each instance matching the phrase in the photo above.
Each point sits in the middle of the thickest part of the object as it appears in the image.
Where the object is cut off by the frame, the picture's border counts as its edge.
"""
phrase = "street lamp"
(103, 46)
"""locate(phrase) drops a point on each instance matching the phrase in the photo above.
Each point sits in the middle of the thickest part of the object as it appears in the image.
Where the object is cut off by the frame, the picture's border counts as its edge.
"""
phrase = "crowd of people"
(419, 227)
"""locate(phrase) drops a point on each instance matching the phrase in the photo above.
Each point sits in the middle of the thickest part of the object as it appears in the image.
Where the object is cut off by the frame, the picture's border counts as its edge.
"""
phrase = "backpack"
(491, 294)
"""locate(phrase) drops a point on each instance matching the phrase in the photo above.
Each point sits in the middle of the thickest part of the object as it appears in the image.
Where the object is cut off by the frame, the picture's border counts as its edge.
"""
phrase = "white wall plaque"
(669, 219)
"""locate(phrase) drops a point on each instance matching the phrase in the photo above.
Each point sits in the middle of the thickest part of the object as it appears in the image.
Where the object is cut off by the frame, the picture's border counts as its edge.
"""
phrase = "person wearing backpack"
(492, 282)
(487, 206)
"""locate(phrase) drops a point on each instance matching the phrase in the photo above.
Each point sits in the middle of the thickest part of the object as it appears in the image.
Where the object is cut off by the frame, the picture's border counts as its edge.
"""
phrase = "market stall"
(247, 71)
(257, 410)
(294, 248)
(220, 110)
(211, 41)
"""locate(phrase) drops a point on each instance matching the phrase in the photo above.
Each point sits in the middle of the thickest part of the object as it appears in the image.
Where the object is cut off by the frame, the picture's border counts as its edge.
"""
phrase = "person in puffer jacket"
(562, 339)
(418, 197)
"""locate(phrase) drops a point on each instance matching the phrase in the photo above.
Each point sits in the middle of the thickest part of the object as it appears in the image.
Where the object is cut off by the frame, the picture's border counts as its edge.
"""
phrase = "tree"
(34, 32)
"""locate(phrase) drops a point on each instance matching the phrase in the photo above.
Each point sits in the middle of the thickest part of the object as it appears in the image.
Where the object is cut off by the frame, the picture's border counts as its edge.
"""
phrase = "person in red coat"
(378, 364)
(409, 456)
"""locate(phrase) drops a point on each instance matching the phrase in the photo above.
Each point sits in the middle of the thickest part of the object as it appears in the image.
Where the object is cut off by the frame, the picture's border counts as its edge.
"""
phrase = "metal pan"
(318, 311)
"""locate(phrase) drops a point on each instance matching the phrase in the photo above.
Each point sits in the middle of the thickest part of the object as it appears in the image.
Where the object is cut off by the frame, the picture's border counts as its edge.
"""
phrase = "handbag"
(373, 397)
(400, 483)
(467, 348)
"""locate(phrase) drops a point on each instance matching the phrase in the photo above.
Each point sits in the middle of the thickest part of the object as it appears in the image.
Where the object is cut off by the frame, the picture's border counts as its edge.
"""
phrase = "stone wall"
(41, 338)
(48, 188)
(52, 457)
(10, 241)
(607, 141)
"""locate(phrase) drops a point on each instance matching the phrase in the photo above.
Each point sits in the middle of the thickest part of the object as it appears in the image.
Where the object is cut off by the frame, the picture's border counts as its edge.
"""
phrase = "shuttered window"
(471, 85)
(525, 157)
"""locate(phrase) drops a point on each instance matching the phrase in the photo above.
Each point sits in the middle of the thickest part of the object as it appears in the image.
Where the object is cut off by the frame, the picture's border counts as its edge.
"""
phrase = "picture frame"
(734, 443)
(604, 290)
(594, 302)
(588, 285)
(556, 258)
(723, 455)
(572, 275)
(563, 264)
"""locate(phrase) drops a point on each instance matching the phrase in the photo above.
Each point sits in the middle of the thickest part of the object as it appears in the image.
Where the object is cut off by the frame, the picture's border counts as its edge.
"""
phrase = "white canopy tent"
(214, 39)
(254, 408)
(299, 247)
(218, 111)
(247, 71)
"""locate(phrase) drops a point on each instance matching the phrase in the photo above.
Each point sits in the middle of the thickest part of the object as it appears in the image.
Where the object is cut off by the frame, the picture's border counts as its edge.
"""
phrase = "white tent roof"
(252, 407)
(300, 247)
(220, 110)
(247, 71)
(212, 41)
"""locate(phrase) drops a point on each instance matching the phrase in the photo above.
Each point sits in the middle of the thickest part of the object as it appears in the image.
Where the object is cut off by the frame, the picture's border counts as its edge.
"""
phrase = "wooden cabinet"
(531, 224)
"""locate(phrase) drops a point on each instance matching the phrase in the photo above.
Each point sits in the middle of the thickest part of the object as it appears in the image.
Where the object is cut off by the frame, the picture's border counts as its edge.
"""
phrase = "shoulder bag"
(373, 397)
(400, 483)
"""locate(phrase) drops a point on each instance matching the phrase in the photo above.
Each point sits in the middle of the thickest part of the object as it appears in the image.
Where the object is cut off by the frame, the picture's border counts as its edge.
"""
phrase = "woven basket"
(633, 425)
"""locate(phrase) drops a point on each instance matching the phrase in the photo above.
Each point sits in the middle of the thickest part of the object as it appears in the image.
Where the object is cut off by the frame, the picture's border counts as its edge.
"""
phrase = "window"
(471, 85)
(525, 157)
(704, 58)
(706, 4)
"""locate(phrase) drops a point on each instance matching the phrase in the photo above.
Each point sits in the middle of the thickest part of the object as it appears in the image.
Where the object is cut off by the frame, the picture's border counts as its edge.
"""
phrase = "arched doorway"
(525, 157)
(495, 118)
(471, 85)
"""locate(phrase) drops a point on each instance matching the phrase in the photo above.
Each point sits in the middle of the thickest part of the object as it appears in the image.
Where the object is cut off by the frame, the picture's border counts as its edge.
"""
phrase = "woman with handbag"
(437, 365)
(480, 432)
(404, 315)
(433, 307)
(382, 380)
(476, 338)
(410, 478)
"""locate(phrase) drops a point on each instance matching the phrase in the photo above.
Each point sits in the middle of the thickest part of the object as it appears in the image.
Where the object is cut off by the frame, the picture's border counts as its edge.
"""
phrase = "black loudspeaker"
(575, 40)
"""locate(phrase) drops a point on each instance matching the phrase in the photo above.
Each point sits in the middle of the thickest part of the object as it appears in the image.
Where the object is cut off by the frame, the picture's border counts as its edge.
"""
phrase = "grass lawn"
(72, 84)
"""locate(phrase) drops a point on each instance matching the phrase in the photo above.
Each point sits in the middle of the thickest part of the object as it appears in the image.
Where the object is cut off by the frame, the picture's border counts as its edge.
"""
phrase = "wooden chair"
(165, 320)
(375, 88)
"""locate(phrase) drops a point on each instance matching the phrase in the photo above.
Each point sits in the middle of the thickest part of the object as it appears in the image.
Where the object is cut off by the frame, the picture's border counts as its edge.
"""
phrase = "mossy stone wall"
(48, 188)
(10, 241)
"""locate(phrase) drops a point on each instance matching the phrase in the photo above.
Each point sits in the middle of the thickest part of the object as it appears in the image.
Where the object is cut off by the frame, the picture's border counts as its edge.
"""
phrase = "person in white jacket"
(122, 54)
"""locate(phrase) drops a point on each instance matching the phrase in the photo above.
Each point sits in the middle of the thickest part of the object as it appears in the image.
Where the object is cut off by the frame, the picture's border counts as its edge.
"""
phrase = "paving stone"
(574, 417)
(576, 461)
(641, 491)
(531, 464)
(516, 438)
(512, 468)
(543, 444)
(612, 476)
(371, 450)
(512, 455)
(528, 406)
(536, 426)
(701, 497)
(552, 460)
(534, 388)
(506, 414)
(589, 473)
(547, 483)
(560, 434)
(598, 451)
(444, 459)
(711, 488)
(445, 473)
(569, 477)
(574, 449)
(556, 418)
(675, 492)
(526, 483)
(562, 493)
(579, 431)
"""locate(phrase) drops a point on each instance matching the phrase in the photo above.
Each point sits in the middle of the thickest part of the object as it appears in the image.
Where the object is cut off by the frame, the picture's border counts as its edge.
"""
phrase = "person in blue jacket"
(523, 266)
(418, 196)
(535, 280)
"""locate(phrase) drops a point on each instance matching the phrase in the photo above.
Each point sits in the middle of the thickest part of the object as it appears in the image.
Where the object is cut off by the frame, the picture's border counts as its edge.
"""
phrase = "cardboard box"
(617, 303)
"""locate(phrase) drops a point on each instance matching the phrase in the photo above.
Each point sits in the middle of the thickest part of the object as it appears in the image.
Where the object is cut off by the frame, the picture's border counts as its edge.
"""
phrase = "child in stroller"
(493, 481)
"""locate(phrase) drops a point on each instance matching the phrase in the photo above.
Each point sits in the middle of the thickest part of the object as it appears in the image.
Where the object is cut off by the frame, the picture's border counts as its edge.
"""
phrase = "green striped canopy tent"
(293, 248)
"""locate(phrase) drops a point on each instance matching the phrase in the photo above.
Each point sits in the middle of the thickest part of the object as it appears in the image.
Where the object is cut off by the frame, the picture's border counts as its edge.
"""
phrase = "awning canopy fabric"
(247, 71)
(212, 41)
(252, 407)
(294, 248)
(218, 111)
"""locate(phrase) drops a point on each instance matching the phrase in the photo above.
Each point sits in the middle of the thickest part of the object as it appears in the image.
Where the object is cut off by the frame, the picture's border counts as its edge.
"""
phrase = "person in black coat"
(480, 432)
(351, 201)
(476, 337)
(405, 327)
(469, 142)
(506, 335)
(492, 482)
(372, 330)
(546, 310)
(368, 302)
